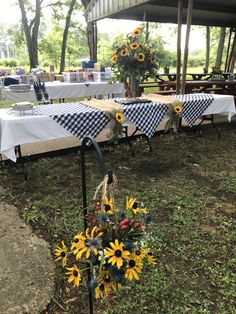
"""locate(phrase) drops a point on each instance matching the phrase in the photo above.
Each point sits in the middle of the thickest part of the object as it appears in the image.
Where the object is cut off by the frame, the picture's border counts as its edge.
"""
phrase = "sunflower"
(133, 205)
(116, 253)
(89, 244)
(120, 117)
(114, 59)
(140, 253)
(150, 258)
(108, 206)
(106, 278)
(141, 57)
(133, 267)
(76, 242)
(134, 46)
(136, 32)
(102, 290)
(124, 52)
(178, 109)
(74, 275)
(61, 253)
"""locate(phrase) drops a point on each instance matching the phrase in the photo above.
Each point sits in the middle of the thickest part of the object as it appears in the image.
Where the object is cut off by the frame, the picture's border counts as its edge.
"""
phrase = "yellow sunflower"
(134, 266)
(133, 205)
(74, 275)
(136, 32)
(114, 59)
(124, 52)
(102, 290)
(141, 57)
(116, 253)
(76, 242)
(120, 117)
(61, 253)
(90, 244)
(134, 46)
(108, 207)
(178, 109)
(150, 258)
(105, 278)
(140, 253)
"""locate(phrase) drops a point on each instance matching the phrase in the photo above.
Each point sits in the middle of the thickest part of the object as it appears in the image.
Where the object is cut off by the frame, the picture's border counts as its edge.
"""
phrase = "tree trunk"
(31, 31)
(92, 40)
(65, 35)
(206, 67)
(220, 48)
(233, 58)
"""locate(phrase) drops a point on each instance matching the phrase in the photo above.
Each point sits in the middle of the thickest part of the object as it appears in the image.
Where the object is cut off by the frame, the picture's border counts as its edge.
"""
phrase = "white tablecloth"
(58, 90)
(17, 130)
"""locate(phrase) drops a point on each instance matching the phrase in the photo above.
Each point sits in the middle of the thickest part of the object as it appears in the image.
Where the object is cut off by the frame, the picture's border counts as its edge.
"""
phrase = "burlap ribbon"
(169, 101)
(111, 108)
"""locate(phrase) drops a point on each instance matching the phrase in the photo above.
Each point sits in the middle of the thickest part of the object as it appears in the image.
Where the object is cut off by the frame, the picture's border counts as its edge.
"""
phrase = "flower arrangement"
(175, 110)
(114, 246)
(135, 59)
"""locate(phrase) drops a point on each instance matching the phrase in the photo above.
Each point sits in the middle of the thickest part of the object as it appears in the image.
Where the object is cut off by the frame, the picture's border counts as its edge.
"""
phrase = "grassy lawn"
(189, 185)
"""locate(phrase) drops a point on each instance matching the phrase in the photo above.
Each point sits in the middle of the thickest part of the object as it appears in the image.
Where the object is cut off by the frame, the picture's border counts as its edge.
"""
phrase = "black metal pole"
(85, 142)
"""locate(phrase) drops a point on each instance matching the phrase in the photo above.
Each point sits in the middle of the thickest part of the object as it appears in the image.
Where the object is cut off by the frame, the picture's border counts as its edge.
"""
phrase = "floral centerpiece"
(134, 60)
(114, 246)
(174, 116)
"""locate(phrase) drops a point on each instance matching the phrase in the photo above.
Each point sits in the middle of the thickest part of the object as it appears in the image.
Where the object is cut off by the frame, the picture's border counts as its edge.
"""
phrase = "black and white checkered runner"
(81, 120)
(194, 106)
(145, 116)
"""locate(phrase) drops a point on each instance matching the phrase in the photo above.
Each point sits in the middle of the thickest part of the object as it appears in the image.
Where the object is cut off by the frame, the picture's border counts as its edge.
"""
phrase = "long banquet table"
(61, 90)
(61, 120)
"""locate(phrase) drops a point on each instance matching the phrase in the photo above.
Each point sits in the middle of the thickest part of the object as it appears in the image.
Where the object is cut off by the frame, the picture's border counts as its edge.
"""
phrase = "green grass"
(187, 182)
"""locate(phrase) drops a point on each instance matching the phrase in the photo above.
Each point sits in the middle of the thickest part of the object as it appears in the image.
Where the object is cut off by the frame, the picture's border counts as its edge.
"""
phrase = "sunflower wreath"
(115, 244)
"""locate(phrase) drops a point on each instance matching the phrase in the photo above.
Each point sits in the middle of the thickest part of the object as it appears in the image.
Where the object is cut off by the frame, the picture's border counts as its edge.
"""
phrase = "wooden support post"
(178, 65)
(231, 52)
(228, 48)
(189, 21)
(94, 41)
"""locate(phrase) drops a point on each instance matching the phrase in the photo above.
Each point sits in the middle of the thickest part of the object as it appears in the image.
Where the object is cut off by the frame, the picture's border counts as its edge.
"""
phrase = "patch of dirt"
(27, 268)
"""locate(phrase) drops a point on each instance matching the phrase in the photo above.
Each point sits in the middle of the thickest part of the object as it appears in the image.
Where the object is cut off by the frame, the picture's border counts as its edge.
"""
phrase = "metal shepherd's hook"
(87, 141)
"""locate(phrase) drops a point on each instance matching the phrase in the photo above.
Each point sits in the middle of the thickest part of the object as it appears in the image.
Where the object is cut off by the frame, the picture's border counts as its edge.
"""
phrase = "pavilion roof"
(205, 12)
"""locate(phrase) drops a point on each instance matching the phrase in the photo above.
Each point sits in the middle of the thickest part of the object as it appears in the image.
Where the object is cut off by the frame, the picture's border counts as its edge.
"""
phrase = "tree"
(65, 35)
(31, 29)
(220, 48)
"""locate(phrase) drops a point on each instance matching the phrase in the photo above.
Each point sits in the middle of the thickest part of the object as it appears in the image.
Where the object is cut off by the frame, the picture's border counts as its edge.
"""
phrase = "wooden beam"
(231, 52)
(189, 21)
(228, 48)
(95, 44)
(178, 65)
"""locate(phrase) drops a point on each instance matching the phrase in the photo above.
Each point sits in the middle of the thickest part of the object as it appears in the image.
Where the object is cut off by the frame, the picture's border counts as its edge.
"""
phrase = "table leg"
(1, 163)
(211, 119)
(21, 161)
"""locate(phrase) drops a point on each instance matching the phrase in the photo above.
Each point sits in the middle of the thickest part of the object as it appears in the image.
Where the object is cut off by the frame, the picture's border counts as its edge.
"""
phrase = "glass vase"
(134, 87)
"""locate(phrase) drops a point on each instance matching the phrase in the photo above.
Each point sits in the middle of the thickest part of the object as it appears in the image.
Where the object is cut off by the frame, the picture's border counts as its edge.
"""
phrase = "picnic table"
(203, 86)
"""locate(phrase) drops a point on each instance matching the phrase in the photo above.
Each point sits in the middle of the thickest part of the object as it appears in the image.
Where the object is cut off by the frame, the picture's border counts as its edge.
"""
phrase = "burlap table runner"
(111, 108)
(163, 99)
